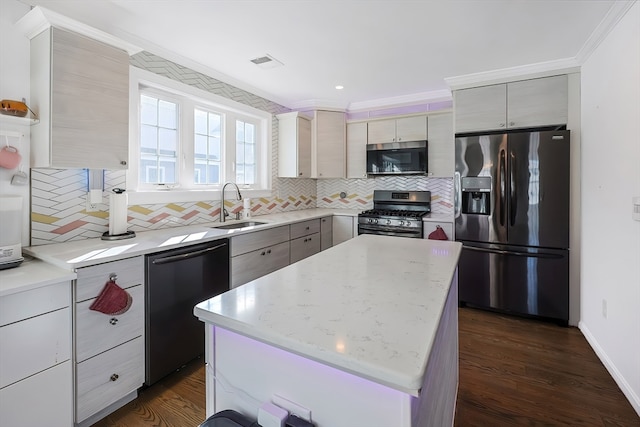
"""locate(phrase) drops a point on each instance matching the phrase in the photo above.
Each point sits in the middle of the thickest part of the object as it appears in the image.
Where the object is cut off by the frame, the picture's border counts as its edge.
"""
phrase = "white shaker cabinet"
(35, 357)
(513, 105)
(357, 150)
(402, 129)
(80, 91)
(328, 141)
(294, 145)
(441, 145)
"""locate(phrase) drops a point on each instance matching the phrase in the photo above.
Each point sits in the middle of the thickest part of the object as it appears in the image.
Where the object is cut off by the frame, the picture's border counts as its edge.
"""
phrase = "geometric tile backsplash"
(58, 196)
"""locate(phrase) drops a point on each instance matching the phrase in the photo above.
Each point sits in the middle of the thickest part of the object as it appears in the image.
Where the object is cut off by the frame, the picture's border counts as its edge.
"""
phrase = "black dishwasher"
(177, 280)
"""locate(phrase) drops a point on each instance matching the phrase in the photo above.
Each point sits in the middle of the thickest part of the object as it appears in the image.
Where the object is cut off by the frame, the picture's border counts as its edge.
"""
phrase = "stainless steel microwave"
(397, 158)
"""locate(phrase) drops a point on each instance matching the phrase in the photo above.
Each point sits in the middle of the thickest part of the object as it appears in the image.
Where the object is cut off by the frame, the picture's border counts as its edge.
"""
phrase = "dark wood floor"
(513, 372)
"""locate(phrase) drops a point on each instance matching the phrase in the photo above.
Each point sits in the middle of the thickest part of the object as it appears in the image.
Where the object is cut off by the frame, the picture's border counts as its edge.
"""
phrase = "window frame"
(190, 98)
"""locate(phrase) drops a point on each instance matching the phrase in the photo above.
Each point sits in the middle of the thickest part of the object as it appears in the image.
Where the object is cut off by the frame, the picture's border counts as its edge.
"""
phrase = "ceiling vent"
(267, 61)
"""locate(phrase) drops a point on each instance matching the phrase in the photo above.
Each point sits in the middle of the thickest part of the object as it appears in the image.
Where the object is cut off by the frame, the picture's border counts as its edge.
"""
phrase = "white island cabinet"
(357, 335)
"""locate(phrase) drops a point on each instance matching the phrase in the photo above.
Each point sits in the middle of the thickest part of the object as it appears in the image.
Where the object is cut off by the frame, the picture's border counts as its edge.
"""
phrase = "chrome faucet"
(223, 212)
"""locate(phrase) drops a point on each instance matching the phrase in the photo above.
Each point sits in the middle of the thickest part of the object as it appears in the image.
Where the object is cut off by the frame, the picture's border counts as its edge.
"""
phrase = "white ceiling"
(382, 52)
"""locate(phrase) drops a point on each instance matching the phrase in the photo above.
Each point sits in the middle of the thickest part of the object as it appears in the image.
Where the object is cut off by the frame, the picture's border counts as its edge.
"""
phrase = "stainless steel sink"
(239, 225)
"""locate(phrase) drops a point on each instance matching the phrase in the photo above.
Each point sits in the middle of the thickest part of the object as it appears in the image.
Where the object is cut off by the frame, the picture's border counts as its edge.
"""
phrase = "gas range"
(396, 213)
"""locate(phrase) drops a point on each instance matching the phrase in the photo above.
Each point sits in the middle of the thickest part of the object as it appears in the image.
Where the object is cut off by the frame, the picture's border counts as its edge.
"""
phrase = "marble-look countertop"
(370, 306)
(82, 253)
(32, 274)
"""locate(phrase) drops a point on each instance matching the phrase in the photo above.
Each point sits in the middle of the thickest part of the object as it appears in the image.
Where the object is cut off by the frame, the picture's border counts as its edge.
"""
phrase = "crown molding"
(529, 71)
(319, 104)
(611, 19)
(401, 101)
(39, 19)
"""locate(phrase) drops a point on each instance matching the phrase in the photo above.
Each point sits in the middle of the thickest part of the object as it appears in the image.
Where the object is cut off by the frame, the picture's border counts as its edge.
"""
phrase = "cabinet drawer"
(33, 345)
(250, 266)
(44, 399)
(91, 280)
(97, 332)
(106, 378)
(31, 303)
(304, 247)
(305, 228)
(259, 239)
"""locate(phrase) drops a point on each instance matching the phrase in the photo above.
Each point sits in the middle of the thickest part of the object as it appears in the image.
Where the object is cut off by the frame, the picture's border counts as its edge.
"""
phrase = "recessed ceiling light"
(267, 61)
(339, 87)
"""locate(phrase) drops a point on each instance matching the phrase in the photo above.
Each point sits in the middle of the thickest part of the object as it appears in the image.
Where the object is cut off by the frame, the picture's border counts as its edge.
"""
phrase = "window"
(189, 139)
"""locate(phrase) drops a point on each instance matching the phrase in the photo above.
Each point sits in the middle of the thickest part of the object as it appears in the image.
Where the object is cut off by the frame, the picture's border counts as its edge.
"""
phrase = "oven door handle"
(388, 230)
(188, 255)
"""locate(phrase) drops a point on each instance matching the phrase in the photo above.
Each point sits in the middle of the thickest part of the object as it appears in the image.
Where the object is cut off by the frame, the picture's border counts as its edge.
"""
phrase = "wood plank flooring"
(513, 372)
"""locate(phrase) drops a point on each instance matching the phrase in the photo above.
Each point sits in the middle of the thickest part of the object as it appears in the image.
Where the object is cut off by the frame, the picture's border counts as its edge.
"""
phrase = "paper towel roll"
(247, 208)
(118, 202)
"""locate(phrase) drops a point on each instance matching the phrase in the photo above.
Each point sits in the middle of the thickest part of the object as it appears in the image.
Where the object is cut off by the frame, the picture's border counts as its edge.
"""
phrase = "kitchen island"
(362, 334)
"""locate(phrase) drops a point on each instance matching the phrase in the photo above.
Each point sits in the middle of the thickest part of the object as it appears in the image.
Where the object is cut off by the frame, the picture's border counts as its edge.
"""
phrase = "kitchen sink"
(239, 225)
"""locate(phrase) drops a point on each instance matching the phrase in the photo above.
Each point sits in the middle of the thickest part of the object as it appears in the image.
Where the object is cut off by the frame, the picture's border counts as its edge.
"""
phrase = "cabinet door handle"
(113, 277)
(114, 377)
(113, 320)
(123, 162)
(307, 228)
(300, 174)
(512, 123)
(263, 253)
(269, 251)
(501, 125)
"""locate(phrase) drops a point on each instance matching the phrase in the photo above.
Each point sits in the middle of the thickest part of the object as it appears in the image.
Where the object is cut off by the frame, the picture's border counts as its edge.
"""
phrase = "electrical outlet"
(292, 407)
(604, 308)
(91, 207)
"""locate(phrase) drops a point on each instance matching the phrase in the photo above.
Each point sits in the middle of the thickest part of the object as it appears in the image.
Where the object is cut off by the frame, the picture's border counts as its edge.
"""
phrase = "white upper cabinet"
(411, 128)
(538, 102)
(441, 145)
(357, 150)
(521, 104)
(328, 141)
(80, 91)
(294, 145)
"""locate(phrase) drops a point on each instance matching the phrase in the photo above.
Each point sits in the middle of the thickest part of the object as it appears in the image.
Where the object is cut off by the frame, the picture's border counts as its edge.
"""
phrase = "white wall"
(14, 84)
(610, 247)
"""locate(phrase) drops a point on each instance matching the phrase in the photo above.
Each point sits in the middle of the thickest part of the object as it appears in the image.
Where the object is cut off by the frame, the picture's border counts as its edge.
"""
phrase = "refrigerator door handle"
(513, 188)
(502, 184)
(522, 254)
(457, 194)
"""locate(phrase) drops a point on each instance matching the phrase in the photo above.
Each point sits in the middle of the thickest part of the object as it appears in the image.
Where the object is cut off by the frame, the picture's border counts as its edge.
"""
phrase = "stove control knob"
(407, 223)
(369, 220)
(388, 221)
(375, 221)
(401, 222)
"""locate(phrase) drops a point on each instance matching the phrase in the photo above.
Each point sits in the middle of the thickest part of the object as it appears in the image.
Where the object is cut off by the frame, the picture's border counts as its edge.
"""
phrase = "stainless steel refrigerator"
(512, 217)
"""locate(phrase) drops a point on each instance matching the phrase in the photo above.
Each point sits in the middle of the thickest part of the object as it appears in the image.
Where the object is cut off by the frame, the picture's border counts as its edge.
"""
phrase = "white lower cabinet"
(35, 357)
(108, 377)
(43, 399)
(109, 349)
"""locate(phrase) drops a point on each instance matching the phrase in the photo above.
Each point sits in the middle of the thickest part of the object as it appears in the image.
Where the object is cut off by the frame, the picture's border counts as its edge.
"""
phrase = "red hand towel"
(438, 234)
(113, 300)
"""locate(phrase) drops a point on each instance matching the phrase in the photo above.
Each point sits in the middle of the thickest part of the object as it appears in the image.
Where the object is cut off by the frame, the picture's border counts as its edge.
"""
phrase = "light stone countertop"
(369, 306)
(82, 253)
(32, 274)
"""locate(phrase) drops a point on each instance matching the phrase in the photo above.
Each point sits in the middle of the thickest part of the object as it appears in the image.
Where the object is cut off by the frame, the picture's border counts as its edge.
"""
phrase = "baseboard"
(631, 396)
(108, 410)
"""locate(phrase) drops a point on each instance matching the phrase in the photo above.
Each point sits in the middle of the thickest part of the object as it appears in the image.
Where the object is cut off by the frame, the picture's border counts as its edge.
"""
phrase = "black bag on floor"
(229, 418)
